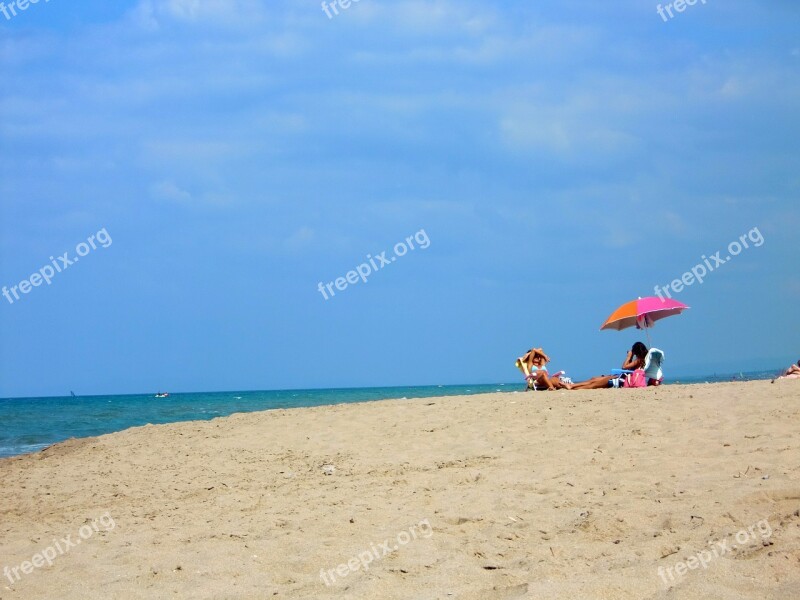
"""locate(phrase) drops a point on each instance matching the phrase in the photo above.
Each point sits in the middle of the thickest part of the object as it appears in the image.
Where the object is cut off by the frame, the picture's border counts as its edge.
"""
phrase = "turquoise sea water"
(30, 424)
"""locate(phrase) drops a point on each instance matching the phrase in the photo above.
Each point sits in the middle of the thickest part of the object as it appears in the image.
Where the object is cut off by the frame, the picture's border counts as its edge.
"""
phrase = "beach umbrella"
(643, 313)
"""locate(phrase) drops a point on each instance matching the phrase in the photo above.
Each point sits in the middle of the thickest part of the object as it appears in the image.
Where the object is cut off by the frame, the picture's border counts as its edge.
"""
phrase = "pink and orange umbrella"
(643, 313)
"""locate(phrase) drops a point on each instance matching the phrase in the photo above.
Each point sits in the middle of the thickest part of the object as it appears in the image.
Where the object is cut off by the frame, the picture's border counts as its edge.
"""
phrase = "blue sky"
(561, 158)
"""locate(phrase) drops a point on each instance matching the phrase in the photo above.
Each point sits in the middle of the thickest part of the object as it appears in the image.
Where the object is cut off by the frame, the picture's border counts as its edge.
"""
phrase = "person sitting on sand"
(634, 360)
(533, 364)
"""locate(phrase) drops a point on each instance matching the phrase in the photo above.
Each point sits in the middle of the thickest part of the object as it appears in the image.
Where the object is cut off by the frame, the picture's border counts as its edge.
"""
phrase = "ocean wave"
(15, 450)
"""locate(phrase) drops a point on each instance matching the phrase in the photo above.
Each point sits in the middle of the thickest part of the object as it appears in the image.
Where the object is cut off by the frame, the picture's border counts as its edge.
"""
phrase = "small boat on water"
(162, 395)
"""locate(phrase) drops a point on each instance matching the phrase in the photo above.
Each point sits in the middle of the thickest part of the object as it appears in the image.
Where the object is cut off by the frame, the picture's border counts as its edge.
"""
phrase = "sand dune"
(554, 495)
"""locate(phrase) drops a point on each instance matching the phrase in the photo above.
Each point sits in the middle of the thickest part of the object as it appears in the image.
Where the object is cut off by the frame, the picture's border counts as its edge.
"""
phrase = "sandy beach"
(671, 492)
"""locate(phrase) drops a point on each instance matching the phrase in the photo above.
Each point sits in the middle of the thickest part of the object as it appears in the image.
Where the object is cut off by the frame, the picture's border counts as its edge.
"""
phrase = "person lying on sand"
(534, 365)
(792, 372)
(634, 360)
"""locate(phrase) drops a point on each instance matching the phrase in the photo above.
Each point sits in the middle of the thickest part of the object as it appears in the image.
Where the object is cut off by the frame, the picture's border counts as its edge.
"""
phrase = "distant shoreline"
(31, 424)
(680, 379)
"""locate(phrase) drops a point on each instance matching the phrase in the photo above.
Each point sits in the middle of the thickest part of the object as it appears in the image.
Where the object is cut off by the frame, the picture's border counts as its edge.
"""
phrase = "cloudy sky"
(562, 158)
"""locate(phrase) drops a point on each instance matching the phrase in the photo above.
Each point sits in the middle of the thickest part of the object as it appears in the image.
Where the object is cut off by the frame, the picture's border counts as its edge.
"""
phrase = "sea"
(30, 424)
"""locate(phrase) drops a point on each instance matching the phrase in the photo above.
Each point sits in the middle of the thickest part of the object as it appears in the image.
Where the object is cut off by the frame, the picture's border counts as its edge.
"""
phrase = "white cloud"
(566, 133)
(168, 190)
(300, 239)
(412, 210)
(731, 88)
(186, 151)
(151, 14)
(427, 16)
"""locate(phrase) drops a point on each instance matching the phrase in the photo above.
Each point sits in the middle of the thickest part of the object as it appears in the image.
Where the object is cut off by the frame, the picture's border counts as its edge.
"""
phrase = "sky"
(553, 160)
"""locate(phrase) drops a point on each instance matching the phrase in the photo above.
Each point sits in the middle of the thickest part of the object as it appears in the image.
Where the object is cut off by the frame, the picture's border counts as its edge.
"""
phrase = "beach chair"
(522, 365)
(652, 366)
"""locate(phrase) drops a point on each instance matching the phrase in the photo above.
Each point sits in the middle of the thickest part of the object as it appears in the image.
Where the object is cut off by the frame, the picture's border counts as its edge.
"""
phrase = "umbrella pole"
(649, 341)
